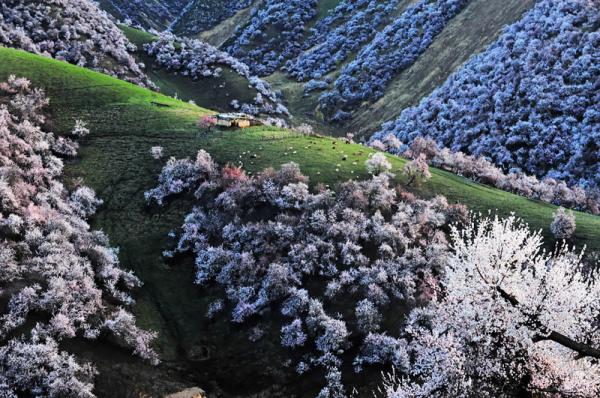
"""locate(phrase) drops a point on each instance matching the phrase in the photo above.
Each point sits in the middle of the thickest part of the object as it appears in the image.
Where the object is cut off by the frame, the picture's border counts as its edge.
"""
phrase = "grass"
(111, 106)
(324, 6)
(138, 37)
(126, 121)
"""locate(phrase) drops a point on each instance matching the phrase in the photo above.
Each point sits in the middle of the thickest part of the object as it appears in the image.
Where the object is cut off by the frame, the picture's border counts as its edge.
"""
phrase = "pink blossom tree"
(206, 122)
(417, 170)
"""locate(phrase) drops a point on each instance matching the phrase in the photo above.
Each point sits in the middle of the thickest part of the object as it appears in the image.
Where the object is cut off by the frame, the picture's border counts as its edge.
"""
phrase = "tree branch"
(583, 350)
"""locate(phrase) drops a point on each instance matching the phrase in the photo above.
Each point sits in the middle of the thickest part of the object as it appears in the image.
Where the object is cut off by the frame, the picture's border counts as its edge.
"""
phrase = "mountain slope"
(151, 14)
(202, 15)
(225, 30)
(335, 43)
(183, 17)
(126, 121)
(216, 92)
(469, 33)
(338, 50)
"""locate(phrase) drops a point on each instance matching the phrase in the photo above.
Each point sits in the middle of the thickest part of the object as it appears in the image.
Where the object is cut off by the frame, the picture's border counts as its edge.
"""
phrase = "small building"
(239, 120)
(242, 123)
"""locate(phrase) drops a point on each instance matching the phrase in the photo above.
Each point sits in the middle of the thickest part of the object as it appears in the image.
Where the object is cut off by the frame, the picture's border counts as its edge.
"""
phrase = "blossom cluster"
(75, 31)
(513, 320)
(200, 15)
(150, 14)
(529, 102)
(269, 242)
(480, 169)
(58, 278)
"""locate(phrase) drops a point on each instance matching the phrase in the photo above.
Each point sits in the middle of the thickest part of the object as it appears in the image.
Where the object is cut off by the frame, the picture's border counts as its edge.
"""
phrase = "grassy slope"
(225, 30)
(323, 8)
(214, 92)
(147, 18)
(114, 160)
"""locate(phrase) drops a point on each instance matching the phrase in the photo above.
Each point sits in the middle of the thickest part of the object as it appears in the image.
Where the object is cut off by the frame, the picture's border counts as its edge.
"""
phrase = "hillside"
(184, 17)
(201, 15)
(126, 121)
(466, 35)
(332, 45)
(193, 70)
(224, 31)
(528, 102)
(216, 92)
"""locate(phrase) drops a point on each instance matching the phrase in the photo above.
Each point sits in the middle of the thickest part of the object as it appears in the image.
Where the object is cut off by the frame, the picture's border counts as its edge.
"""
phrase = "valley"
(303, 257)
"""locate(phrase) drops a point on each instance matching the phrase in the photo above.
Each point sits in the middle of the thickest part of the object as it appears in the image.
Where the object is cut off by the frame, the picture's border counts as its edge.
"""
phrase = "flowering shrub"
(180, 175)
(529, 102)
(417, 170)
(58, 278)
(263, 52)
(196, 59)
(75, 31)
(292, 335)
(156, 152)
(387, 54)
(269, 242)
(80, 130)
(377, 163)
(314, 85)
(191, 57)
(206, 122)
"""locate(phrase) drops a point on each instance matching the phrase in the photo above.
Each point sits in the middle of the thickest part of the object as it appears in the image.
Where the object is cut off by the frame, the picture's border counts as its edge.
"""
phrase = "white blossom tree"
(377, 164)
(563, 225)
(156, 152)
(514, 319)
(80, 129)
